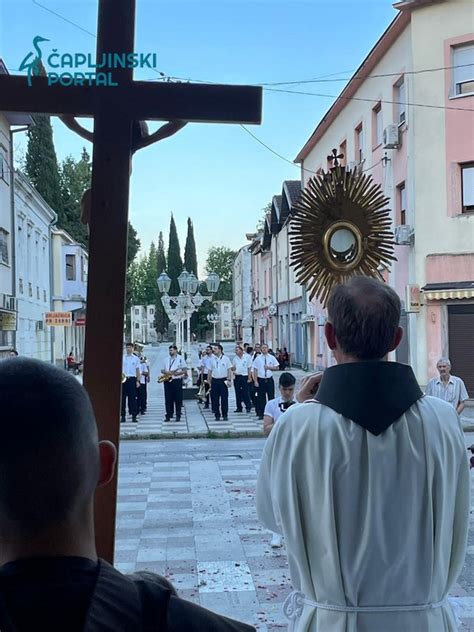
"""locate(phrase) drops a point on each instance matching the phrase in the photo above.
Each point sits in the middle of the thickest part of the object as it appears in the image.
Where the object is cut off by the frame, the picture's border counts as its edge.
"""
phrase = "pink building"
(407, 117)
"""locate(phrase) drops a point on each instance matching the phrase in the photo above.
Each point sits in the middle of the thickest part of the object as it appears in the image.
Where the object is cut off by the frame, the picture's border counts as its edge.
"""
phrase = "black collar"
(374, 394)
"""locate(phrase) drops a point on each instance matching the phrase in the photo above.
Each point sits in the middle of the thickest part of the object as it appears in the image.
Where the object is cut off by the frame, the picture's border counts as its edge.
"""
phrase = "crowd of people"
(364, 476)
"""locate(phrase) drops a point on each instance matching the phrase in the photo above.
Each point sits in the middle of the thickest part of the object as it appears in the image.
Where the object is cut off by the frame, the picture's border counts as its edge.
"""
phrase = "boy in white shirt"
(274, 409)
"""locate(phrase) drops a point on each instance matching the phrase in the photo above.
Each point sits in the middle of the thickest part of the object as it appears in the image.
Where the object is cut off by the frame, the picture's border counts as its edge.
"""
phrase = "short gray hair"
(444, 361)
(365, 314)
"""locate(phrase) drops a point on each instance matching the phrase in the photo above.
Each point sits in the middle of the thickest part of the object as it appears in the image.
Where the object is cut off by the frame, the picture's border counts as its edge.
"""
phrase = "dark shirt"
(50, 593)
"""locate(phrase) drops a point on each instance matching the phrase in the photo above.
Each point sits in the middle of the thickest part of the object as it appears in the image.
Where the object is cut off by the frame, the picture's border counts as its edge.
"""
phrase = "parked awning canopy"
(446, 291)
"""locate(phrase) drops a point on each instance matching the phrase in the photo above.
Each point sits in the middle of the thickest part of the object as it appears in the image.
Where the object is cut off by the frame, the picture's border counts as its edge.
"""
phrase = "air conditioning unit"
(404, 235)
(391, 137)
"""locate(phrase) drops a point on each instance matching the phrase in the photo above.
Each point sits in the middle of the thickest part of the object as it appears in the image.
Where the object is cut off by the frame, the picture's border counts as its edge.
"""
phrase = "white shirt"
(143, 369)
(259, 365)
(173, 364)
(385, 517)
(130, 364)
(454, 392)
(205, 363)
(242, 365)
(273, 408)
(220, 367)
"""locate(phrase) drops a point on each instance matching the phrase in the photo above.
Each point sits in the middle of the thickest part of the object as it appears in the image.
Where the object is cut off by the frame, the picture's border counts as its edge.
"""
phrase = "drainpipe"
(51, 282)
(12, 219)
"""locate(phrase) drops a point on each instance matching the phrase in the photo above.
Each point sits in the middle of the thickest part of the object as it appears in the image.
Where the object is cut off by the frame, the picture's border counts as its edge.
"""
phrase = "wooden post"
(108, 257)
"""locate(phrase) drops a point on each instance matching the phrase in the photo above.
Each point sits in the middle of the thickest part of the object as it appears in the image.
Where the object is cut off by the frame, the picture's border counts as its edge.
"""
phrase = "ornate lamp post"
(213, 319)
(188, 302)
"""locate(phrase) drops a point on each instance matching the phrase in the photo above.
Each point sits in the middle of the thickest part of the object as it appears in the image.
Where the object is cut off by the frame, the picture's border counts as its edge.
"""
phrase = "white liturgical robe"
(371, 492)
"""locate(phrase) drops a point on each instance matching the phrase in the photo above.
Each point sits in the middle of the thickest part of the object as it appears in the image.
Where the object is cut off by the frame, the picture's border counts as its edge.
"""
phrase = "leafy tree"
(75, 179)
(220, 259)
(161, 319)
(151, 275)
(41, 164)
(190, 256)
(133, 245)
(174, 261)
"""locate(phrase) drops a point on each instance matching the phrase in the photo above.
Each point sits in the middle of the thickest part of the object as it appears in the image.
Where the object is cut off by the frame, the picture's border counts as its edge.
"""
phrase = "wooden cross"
(116, 110)
(335, 157)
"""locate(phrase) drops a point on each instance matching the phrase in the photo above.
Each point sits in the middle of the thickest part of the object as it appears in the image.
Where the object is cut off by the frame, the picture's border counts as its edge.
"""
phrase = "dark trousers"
(142, 397)
(219, 397)
(253, 394)
(129, 390)
(174, 398)
(242, 394)
(265, 392)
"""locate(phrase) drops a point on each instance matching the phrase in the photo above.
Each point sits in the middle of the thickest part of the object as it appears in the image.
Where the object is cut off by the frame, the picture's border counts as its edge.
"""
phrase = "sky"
(216, 174)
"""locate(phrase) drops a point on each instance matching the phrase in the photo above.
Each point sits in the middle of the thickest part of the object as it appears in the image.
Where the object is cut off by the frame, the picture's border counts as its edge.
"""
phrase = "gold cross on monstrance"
(115, 109)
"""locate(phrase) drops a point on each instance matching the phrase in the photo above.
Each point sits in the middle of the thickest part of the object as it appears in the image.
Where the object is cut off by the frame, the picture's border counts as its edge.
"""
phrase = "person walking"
(242, 370)
(174, 370)
(142, 389)
(131, 377)
(448, 387)
(263, 367)
(220, 379)
(368, 481)
(204, 367)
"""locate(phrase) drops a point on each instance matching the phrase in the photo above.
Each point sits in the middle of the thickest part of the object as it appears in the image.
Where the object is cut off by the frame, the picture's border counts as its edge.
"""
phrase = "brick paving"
(186, 510)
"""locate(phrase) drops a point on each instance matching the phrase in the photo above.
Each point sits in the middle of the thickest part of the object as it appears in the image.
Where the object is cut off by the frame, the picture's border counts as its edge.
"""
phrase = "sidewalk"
(195, 420)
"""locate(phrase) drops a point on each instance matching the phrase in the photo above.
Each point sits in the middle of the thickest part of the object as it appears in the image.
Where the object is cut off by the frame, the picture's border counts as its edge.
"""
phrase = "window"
(377, 125)
(467, 184)
(359, 143)
(137, 325)
(37, 293)
(30, 290)
(402, 202)
(343, 151)
(400, 98)
(463, 69)
(70, 267)
(152, 311)
(137, 311)
(3, 246)
(279, 270)
(20, 286)
(226, 309)
(4, 171)
(44, 296)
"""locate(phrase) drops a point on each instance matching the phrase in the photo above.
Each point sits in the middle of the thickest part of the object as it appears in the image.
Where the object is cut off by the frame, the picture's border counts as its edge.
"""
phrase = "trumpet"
(165, 377)
(124, 378)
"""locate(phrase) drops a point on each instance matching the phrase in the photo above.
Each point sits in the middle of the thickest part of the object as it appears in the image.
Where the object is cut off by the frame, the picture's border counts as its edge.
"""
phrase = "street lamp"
(213, 319)
(187, 302)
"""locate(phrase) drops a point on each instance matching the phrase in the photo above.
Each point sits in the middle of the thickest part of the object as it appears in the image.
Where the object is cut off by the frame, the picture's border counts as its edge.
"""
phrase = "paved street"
(186, 510)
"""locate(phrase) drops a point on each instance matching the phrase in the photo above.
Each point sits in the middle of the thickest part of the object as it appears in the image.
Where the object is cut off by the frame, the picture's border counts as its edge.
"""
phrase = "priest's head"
(51, 462)
(363, 320)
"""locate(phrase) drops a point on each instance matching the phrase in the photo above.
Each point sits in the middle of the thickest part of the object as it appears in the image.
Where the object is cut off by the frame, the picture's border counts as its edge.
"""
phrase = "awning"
(448, 291)
(443, 295)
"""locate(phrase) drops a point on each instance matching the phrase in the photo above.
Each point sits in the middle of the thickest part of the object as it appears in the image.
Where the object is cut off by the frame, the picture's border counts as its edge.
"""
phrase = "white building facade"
(142, 318)
(34, 221)
(242, 293)
(70, 265)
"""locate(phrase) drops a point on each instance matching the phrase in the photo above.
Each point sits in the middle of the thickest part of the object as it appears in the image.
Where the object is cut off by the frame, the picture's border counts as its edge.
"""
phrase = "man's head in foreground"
(287, 384)
(51, 462)
(363, 320)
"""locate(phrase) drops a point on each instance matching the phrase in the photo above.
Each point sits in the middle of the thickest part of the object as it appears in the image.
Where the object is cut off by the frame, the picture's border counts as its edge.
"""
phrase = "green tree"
(190, 256)
(220, 259)
(174, 261)
(161, 319)
(41, 164)
(75, 179)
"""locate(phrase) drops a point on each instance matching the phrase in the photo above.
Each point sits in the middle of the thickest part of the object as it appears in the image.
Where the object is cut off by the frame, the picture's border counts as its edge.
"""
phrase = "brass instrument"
(124, 378)
(165, 377)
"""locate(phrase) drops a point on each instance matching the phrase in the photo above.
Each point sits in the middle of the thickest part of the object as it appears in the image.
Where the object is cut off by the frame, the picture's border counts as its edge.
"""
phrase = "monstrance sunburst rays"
(348, 210)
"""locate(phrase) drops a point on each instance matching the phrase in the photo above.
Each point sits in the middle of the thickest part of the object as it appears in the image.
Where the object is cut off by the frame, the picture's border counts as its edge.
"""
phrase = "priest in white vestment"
(368, 483)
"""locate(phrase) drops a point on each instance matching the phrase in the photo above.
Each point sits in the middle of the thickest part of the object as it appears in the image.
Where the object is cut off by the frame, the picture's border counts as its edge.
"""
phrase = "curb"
(193, 435)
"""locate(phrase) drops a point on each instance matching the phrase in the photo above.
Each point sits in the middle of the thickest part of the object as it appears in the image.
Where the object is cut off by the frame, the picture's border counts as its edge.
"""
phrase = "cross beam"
(140, 100)
(114, 108)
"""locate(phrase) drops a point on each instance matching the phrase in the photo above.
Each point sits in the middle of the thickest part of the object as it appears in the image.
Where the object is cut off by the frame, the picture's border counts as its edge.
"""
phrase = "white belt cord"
(295, 602)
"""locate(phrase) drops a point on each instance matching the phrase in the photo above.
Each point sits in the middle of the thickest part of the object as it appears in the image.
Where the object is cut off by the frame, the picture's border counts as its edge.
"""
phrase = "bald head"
(365, 315)
(49, 456)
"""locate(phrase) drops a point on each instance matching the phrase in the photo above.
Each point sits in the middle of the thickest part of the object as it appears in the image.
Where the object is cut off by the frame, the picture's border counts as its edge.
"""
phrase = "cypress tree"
(190, 256)
(161, 319)
(41, 164)
(174, 261)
